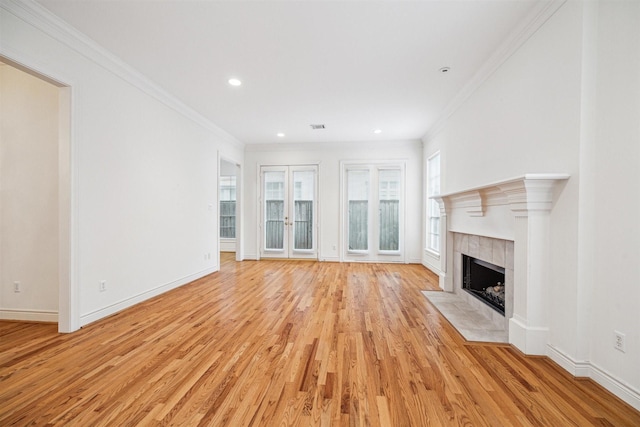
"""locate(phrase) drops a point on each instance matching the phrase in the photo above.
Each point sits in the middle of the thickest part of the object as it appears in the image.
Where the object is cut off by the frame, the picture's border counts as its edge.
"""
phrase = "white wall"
(144, 196)
(615, 293)
(29, 196)
(329, 156)
(546, 109)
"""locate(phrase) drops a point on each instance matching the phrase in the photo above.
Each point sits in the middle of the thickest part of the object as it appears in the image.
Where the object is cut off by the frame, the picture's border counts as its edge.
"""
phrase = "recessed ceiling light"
(377, 131)
(445, 69)
(280, 135)
(235, 82)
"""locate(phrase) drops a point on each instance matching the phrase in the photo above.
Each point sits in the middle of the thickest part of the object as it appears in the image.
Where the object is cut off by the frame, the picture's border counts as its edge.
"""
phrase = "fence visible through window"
(303, 231)
(274, 232)
(358, 225)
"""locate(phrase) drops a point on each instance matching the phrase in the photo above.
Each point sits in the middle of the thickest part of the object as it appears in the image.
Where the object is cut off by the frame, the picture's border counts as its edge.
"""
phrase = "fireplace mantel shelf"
(524, 194)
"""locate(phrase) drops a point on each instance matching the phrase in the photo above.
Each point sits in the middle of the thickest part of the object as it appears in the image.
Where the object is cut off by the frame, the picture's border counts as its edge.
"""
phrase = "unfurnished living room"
(320, 213)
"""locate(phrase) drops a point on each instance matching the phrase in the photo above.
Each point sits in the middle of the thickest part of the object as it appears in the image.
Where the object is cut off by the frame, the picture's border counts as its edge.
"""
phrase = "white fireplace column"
(530, 201)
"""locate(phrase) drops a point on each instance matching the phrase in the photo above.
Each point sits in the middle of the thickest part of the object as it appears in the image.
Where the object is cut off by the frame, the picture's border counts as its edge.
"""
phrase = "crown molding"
(518, 37)
(41, 18)
(333, 145)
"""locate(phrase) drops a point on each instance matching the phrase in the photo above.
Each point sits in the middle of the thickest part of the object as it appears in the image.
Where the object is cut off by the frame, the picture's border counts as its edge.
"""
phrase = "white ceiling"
(354, 66)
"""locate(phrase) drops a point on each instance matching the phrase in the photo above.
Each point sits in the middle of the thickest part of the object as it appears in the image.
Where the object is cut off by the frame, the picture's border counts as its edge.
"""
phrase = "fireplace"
(484, 281)
(508, 224)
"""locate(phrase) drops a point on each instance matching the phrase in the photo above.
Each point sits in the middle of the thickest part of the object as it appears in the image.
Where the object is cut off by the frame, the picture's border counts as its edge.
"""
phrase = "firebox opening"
(485, 281)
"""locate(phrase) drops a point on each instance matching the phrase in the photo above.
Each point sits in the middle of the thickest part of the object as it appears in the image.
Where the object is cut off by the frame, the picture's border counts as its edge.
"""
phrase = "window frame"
(432, 206)
(373, 252)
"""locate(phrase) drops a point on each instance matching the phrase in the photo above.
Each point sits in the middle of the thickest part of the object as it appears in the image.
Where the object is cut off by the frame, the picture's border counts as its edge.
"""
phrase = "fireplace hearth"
(485, 281)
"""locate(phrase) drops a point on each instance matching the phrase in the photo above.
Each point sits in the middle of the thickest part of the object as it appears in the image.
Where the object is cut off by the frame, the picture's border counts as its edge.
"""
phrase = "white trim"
(531, 340)
(85, 319)
(227, 245)
(26, 315)
(586, 369)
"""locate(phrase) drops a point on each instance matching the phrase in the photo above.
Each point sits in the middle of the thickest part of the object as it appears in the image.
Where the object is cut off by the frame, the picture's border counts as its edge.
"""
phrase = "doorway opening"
(35, 222)
(229, 208)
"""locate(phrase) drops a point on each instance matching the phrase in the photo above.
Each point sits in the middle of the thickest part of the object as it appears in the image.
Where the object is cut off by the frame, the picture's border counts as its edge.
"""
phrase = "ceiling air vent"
(317, 126)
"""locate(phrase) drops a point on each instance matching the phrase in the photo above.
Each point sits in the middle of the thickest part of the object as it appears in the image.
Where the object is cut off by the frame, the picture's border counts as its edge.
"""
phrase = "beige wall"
(29, 196)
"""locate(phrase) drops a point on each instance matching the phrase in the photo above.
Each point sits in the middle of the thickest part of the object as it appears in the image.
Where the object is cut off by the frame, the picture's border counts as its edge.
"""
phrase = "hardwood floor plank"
(279, 343)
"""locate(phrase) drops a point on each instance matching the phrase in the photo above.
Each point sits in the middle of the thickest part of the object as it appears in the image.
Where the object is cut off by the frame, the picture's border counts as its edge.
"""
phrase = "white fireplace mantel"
(526, 193)
(530, 198)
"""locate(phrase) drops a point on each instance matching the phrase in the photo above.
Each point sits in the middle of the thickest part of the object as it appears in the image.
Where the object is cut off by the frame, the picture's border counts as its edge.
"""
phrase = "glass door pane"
(389, 209)
(358, 199)
(274, 210)
(303, 200)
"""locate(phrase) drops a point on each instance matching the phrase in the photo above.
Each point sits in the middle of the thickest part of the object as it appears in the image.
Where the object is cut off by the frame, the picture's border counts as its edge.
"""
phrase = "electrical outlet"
(102, 286)
(17, 287)
(619, 341)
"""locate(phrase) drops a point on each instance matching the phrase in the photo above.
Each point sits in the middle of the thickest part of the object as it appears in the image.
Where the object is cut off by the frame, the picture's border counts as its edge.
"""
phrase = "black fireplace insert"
(484, 281)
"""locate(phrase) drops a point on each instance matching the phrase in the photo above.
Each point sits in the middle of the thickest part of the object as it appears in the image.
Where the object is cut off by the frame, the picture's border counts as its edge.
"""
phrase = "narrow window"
(389, 209)
(303, 191)
(433, 208)
(358, 199)
(274, 209)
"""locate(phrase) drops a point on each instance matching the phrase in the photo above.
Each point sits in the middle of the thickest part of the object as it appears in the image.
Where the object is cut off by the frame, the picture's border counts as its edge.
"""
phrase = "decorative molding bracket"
(524, 194)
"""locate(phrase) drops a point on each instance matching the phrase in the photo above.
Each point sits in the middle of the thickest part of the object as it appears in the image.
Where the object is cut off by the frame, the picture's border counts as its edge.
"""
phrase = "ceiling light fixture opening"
(377, 131)
(234, 82)
(445, 70)
(280, 135)
(318, 126)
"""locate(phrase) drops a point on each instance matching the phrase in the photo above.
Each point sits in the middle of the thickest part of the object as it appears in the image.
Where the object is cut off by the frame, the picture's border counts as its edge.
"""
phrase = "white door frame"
(288, 250)
(68, 290)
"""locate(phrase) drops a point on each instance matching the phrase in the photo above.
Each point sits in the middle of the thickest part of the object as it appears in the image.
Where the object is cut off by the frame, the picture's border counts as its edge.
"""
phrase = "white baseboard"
(330, 259)
(227, 245)
(29, 315)
(588, 370)
(85, 319)
(528, 339)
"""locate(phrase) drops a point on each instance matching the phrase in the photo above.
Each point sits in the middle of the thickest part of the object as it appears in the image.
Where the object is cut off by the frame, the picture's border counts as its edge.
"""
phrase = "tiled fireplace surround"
(495, 251)
(520, 209)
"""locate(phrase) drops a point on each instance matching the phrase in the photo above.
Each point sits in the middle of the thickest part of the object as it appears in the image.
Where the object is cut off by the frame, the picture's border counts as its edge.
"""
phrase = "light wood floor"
(275, 343)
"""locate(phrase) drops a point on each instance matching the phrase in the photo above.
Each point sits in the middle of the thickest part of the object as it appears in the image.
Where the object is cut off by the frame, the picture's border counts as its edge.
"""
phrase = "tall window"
(228, 207)
(358, 196)
(433, 208)
(303, 192)
(274, 209)
(389, 209)
(373, 215)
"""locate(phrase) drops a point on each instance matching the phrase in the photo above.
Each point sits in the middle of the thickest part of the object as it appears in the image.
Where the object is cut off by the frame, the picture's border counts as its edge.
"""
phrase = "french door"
(373, 214)
(289, 206)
